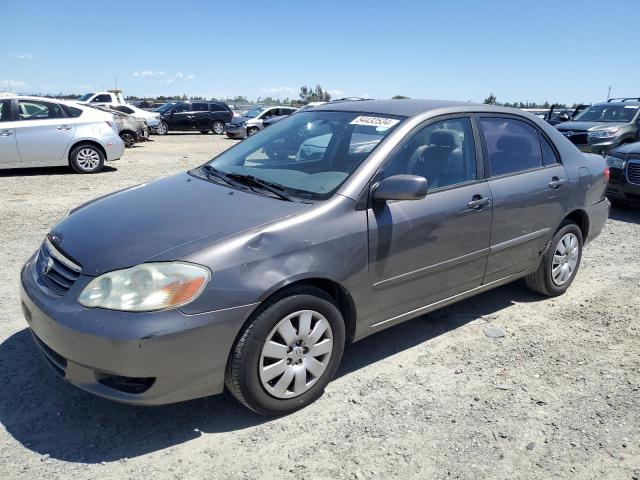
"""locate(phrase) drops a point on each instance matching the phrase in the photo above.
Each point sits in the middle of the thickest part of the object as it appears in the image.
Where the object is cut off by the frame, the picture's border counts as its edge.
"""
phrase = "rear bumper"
(146, 358)
(113, 147)
(598, 215)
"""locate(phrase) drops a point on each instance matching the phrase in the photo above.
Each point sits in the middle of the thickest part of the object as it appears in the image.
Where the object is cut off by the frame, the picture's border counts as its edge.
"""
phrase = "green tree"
(399, 97)
(490, 100)
(317, 94)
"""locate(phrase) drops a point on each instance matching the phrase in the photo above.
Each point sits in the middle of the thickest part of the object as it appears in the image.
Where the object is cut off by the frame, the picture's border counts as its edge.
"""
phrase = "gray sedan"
(255, 270)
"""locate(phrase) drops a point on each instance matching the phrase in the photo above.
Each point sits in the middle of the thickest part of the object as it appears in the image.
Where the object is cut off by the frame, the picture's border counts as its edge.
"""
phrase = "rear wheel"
(86, 158)
(128, 138)
(287, 353)
(162, 128)
(218, 127)
(560, 262)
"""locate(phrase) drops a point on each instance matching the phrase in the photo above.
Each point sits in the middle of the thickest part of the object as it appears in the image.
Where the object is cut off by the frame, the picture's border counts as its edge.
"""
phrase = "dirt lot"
(556, 397)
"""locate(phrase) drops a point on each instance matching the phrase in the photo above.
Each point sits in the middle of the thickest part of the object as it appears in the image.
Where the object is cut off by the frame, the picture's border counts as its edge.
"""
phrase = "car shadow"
(51, 417)
(625, 213)
(39, 171)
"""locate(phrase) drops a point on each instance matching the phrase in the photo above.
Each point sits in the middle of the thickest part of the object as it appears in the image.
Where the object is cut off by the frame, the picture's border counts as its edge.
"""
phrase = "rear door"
(221, 112)
(200, 116)
(529, 187)
(423, 251)
(43, 132)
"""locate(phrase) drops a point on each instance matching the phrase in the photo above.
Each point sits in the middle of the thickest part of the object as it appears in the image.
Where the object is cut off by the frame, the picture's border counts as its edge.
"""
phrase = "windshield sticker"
(632, 106)
(380, 122)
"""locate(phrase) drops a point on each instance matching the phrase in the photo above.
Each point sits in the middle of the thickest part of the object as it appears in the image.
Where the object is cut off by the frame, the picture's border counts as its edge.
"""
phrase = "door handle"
(189, 117)
(557, 182)
(478, 202)
(64, 128)
(6, 133)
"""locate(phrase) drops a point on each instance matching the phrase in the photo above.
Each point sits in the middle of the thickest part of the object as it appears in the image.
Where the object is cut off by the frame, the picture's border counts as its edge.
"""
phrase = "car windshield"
(308, 155)
(165, 107)
(86, 97)
(255, 112)
(607, 113)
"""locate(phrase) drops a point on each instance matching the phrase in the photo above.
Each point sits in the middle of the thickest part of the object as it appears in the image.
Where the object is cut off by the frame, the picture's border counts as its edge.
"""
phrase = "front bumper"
(146, 358)
(234, 131)
(623, 191)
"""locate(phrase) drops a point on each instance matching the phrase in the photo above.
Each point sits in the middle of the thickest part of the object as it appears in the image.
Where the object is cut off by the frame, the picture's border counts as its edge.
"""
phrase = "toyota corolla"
(255, 270)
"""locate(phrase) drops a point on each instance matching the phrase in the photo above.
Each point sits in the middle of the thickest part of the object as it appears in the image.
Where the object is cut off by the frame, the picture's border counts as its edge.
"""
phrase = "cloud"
(336, 93)
(23, 56)
(280, 91)
(179, 75)
(12, 85)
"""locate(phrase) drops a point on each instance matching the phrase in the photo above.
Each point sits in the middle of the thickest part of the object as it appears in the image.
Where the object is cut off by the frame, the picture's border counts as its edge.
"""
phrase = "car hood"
(161, 221)
(628, 148)
(582, 126)
(238, 120)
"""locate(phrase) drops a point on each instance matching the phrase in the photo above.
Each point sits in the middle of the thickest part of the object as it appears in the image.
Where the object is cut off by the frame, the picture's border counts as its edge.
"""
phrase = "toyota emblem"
(47, 266)
(567, 134)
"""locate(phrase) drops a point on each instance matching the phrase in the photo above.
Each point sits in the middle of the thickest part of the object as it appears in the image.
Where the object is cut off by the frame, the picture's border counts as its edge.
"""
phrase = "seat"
(433, 160)
(514, 153)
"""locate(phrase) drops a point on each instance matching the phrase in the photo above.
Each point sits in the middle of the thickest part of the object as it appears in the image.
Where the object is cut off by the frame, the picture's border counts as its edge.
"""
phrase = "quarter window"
(36, 110)
(443, 152)
(512, 145)
(5, 111)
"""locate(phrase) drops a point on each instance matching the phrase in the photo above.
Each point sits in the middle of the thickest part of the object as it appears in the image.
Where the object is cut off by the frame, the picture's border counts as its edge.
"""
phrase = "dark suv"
(624, 174)
(604, 126)
(201, 116)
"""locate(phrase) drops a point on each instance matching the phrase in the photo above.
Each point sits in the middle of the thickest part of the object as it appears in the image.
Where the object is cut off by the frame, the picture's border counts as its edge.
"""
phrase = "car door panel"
(44, 141)
(525, 207)
(423, 251)
(8, 146)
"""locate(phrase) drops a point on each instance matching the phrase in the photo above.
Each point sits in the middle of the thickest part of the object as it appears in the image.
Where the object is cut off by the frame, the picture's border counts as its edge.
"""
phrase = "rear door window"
(549, 156)
(199, 107)
(512, 145)
(37, 110)
(5, 111)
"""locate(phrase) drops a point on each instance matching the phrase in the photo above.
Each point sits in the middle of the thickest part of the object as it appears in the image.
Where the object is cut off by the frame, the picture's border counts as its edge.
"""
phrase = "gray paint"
(396, 260)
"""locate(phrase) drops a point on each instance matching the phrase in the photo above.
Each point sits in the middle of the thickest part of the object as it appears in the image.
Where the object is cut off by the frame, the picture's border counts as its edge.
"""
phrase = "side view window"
(199, 107)
(512, 145)
(35, 110)
(104, 98)
(443, 152)
(548, 155)
(182, 107)
(123, 109)
(5, 111)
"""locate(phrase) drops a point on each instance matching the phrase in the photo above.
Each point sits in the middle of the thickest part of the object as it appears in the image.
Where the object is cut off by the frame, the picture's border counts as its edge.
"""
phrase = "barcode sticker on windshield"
(379, 122)
(632, 106)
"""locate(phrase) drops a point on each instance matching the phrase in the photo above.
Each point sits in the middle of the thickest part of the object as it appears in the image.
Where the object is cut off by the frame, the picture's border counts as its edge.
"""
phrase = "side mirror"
(400, 187)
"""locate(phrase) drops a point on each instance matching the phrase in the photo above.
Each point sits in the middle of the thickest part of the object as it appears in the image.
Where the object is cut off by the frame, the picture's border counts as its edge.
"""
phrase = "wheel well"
(580, 218)
(87, 142)
(338, 293)
(128, 131)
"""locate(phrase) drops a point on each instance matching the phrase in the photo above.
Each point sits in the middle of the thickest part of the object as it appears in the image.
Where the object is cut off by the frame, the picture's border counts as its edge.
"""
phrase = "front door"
(424, 251)
(43, 132)
(181, 118)
(529, 188)
(8, 146)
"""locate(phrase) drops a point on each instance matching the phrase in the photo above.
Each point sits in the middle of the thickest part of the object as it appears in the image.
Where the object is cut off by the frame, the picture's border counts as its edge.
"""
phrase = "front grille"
(633, 172)
(56, 272)
(577, 138)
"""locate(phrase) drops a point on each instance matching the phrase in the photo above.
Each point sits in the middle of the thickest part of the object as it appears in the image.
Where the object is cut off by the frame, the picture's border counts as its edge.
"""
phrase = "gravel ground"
(505, 385)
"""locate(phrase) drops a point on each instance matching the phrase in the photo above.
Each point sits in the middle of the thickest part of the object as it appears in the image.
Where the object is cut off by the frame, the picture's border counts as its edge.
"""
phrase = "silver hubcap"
(162, 129)
(565, 259)
(296, 354)
(88, 159)
(218, 128)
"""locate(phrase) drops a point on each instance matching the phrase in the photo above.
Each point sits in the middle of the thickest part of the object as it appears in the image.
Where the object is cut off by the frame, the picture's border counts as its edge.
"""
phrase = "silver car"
(41, 132)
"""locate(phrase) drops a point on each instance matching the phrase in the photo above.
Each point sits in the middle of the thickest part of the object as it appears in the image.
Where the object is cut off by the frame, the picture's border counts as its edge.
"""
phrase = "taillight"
(606, 174)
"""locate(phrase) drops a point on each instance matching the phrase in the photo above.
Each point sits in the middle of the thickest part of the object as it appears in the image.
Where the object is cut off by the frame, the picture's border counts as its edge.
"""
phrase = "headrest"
(514, 144)
(444, 138)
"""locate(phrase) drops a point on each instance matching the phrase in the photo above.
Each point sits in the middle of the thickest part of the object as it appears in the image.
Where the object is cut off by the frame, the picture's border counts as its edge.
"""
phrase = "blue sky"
(568, 51)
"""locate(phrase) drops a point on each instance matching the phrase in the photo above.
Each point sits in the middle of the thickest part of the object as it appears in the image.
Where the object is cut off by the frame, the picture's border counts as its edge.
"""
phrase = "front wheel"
(162, 128)
(217, 127)
(287, 353)
(560, 262)
(252, 131)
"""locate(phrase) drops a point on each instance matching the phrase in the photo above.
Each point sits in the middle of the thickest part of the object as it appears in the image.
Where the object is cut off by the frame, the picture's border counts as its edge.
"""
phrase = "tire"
(86, 158)
(162, 128)
(128, 138)
(217, 127)
(554, 261)
(251, 373)
(252, 131)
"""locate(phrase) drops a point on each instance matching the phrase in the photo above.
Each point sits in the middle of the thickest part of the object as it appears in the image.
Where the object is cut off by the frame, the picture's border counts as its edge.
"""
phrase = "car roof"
(405, 108)
(618, 104)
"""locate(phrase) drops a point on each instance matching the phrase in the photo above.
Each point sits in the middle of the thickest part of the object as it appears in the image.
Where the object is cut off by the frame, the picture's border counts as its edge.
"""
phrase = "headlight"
(146, 287)
(615, 162)
(607, 132)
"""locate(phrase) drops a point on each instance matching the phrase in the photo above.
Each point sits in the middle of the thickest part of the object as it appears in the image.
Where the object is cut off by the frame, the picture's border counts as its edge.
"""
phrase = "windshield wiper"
(271, 187)
(214, 173)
